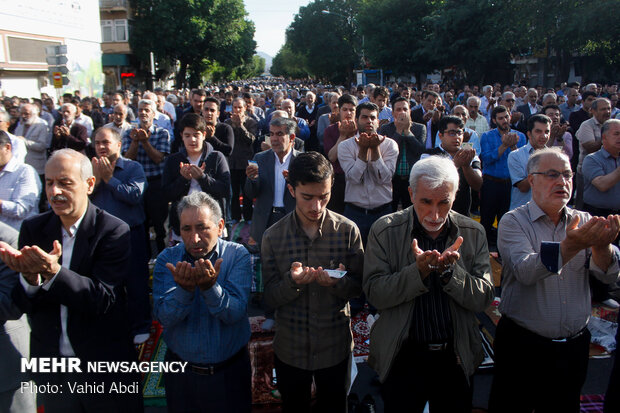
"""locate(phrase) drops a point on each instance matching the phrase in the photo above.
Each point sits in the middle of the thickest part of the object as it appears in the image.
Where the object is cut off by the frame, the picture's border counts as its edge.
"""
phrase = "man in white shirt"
(118, 122)
(369, 162)
(19, 186)
(476, 122)
(82, 119)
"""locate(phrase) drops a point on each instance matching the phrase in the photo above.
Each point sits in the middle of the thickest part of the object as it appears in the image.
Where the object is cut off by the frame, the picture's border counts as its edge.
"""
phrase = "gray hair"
(507, 94)
(550, 94)
(608, 124)
(591, 87)
(70, 106)
(279, 114)
(435, 171)
(289, 124)
(86, 168)
(598, 102)
(475, 99)
(34, 108)
(534, 161)
(486, 88)
(172, 99)
(4, 116)
(149, 102)
(198, 200)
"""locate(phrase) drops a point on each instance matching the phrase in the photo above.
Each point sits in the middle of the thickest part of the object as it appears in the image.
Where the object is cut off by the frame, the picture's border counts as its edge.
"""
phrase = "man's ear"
(291, 190)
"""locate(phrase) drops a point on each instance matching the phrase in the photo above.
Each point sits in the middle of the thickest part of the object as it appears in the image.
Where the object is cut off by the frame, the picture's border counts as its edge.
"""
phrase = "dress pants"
(494, 202)
(419, 375)
(336, 201)
(400, 192)
(535, 373)
(365, 218)
(237, 180)
(156, 209)
(138, 283)
(294, 385)
(228, 390)
(612, 397)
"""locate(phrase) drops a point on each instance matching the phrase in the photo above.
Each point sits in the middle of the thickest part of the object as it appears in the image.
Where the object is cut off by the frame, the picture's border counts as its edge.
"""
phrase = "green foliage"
(192, 31)
(286, 63)
(478, 37)
(329, 43)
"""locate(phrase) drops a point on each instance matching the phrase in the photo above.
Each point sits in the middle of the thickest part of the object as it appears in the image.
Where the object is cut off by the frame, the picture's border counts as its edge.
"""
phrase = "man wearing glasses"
(464, 158)
(549, 250)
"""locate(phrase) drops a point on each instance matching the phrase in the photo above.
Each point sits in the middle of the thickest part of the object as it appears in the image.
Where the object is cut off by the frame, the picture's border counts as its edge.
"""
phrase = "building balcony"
(113, 5)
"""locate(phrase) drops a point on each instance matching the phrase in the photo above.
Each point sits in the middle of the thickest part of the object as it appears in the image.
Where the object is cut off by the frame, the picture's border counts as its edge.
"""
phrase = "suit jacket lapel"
(82, 239)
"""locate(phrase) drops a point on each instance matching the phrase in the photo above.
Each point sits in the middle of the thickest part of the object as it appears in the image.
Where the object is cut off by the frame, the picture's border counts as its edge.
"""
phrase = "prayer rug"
(592, 403)
(361, 335)
(154, 349)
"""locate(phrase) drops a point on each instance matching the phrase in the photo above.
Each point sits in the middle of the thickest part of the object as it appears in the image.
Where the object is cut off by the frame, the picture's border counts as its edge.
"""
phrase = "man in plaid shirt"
(313, 335)
(149, 145)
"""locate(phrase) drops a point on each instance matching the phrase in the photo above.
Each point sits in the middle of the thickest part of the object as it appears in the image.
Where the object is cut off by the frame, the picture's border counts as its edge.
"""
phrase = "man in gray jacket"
(427, 271)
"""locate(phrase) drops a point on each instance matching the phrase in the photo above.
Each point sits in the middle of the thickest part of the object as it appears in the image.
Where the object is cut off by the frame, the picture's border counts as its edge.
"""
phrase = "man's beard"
(29, 121)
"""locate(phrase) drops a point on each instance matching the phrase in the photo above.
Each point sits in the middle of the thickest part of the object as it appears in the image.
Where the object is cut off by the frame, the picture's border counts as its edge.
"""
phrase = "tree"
(396, 35)
(193, 32)
(286, 63)
(329, 43)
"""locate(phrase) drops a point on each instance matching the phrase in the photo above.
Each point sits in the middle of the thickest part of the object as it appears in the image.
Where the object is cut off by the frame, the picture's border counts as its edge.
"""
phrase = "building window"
(120, 30)
(114, 30)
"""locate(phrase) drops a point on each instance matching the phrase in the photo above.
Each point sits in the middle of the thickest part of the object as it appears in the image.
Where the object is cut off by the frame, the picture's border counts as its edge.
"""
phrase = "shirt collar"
(120, 162)
(536, 212)
(212, 255)
(300, 230)
(11, 165)
(75, 226)
(286, 157)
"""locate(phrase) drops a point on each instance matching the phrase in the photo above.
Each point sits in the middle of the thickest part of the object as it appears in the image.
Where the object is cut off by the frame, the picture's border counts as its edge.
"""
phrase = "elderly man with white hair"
(476, 121)
(67, 132)
(426, 269)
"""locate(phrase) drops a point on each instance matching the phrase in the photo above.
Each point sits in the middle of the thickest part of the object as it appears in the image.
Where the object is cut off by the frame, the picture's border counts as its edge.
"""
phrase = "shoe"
(353, 403)
(368, 404)
(611, 303)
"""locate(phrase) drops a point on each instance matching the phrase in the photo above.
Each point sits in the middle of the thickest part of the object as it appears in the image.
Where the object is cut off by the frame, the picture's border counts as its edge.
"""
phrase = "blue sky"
(271, 18)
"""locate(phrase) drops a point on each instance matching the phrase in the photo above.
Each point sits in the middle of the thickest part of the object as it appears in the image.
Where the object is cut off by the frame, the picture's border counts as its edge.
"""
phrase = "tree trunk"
(182, 74)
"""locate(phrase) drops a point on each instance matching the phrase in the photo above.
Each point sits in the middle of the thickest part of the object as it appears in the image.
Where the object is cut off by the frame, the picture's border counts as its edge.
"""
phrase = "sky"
(271, 18)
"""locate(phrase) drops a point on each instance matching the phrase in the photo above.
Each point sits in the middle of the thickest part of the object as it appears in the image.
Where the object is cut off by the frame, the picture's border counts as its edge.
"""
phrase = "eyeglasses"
(453, 133)
(552, 174)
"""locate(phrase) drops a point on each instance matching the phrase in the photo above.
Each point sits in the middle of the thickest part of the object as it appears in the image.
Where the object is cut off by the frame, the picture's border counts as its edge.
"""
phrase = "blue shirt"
(160, 140)
(492, 164)
(122, 195)
(204, 326)
(598, 164)
(517, 165)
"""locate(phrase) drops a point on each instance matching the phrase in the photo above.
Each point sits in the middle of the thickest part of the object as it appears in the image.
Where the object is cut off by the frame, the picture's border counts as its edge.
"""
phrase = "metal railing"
(112, 4)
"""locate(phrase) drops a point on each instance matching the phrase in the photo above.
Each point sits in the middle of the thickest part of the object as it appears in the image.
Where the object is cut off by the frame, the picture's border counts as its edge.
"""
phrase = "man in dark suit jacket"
(74, 294)
(429, 115)
(67, 132)
(529, 109)
(271, 203)
(410, 137)
(14, 339)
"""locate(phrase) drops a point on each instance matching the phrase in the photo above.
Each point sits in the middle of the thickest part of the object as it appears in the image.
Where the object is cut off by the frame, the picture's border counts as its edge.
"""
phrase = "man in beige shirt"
(549, 250)
(368, 161)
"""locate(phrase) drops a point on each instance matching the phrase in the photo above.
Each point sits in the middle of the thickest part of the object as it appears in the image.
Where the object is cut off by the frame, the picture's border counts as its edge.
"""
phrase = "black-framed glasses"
(552, 174)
